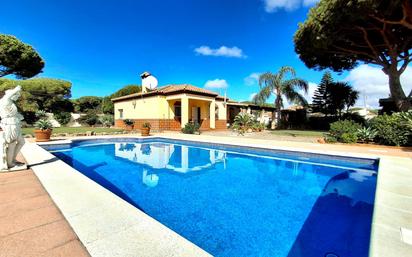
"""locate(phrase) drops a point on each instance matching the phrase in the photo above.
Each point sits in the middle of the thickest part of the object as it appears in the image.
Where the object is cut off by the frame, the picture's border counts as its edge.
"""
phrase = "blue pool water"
(236, 201)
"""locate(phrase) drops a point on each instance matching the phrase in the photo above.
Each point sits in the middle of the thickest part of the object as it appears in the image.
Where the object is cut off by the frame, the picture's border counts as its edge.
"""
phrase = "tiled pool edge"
(393, 204)
(104, 223)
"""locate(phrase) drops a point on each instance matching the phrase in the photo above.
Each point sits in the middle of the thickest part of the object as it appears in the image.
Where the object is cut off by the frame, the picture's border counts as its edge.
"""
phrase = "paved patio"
(30, 223)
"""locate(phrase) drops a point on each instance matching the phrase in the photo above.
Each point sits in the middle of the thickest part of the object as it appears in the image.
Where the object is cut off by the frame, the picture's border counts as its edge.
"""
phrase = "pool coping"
(104, 236)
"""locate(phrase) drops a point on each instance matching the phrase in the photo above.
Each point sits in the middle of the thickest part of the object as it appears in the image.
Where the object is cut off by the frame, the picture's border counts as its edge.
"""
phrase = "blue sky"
(101, 46)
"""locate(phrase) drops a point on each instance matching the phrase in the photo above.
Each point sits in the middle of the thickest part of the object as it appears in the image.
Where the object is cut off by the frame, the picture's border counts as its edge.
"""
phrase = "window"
(121, 113)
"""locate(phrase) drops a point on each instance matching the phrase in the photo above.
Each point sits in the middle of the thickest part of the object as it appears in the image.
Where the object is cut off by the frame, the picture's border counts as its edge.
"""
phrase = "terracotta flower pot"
(145, 132)
(129, 127)
(42, 135)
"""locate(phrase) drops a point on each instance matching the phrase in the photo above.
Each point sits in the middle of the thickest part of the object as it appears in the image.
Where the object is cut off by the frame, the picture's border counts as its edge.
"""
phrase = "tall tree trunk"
(397, 93)
(278, 105)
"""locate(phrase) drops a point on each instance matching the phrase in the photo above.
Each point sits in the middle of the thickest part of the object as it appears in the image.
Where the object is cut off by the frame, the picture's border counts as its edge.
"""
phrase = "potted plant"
(146, 129)
(129, 124)
(43, 130)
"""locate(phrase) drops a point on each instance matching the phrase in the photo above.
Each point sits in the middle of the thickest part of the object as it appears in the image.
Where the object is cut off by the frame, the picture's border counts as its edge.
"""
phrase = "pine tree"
(319, 96)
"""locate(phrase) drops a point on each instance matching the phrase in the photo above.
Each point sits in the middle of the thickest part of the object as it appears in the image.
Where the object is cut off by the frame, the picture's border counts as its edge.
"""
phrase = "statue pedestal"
(16, 168)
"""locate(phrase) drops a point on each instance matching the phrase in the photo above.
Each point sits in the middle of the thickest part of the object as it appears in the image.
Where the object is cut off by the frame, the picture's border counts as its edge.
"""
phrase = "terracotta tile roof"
(186, 88)
(170, 89)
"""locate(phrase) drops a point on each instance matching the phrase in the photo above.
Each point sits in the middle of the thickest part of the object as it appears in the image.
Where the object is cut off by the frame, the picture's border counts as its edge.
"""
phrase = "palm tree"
(281, 85)
(340, 96)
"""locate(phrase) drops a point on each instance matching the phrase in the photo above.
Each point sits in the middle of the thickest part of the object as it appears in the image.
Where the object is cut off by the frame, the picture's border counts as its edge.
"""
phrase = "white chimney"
(149, 82)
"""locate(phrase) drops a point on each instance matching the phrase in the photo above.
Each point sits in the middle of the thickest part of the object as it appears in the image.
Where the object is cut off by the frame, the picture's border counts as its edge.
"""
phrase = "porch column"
(185, 111)
(212, 114)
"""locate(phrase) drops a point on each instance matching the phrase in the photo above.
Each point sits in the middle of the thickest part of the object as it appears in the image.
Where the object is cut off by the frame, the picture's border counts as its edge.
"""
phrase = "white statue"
(11, 139)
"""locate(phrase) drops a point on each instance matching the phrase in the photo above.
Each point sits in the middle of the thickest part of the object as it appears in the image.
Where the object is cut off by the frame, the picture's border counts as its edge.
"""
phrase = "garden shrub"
(40, 114)
(344, 131)
(29, 117)
(354, 117)
(107, 120)
(349, 138)
(90, 118)
(128, 122)
(43, 124)
(191, 128)
(366, 134)
(243, 122)
(63, 117)
(390, 129)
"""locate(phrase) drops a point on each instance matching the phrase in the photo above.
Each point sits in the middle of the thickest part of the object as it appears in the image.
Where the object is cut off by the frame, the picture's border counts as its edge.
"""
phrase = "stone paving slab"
(30, 223)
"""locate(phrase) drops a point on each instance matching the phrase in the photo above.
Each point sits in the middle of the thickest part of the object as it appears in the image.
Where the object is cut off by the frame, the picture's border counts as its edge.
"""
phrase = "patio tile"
(16, 187)
(387, 243)
(23, 193)
(25, 205)
(395, 201)
(72, 248)
(27, 220)
(30, 223)
(18, 178)
(33, 242)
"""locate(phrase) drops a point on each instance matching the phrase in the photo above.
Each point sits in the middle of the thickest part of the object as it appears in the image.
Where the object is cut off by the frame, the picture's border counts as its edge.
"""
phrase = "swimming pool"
(238, 201)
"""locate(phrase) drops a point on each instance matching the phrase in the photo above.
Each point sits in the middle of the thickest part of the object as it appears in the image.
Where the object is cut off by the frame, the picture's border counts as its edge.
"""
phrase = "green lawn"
(71, 130)
(298, 133)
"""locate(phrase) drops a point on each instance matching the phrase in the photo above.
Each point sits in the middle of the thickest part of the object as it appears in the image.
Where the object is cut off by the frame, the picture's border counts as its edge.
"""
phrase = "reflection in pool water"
(175, 158)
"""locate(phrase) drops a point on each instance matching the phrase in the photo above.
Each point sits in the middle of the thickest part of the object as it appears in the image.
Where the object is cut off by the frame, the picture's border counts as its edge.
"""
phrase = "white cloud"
(311, 90)
(251, 96)
(224, 51)
(216, 84)
(310, 2)
(252, 79)
(287, 5)
(373, 83)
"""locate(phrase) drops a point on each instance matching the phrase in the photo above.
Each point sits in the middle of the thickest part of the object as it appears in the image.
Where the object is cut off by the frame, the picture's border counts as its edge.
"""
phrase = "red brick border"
(168, 124)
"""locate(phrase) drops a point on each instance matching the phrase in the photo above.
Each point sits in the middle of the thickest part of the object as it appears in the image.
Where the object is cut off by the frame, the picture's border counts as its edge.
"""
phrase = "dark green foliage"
(40, 114)
(62, 117)
(107, 120)
(349, 138)
(39, 93)
(339, 34)
(319, 96)
(243, 122)
(147, 125)
(323, 123)
(127, 90)
(191, 128)
(344, 131)
(18, 58)
(90, 118)
(339, 96)
(29, 117)
(128, 122)
(366, 134)
(43, 124)
(354, 117)
(107, 104)
(390, 129)
(87, 103)
(62, 105)
(332, 97)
